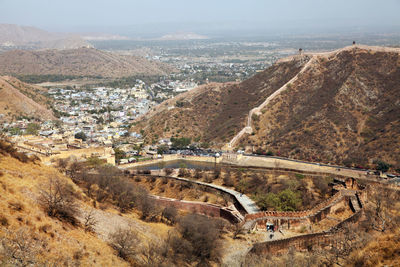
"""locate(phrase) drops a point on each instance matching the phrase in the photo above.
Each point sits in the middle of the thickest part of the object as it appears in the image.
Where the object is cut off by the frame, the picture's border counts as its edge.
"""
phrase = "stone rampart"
(304, 242)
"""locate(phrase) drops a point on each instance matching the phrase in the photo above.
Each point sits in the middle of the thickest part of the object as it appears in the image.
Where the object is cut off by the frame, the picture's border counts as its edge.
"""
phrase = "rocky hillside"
(22, 99)
(77, 62)
(341, 107)
(215, 112)
(344, 108)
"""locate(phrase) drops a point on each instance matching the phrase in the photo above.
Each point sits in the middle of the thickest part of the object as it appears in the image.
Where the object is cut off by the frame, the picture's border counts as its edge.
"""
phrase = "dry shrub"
(78, 255)
(200, 238)
(16, 206)
(228, 181)
(20, 156)
(20, 248)
(4, 221)
(58, 199)
(150, 211)
(170, 214)
(89, 221)
(124, 241)
(168, 171)
(6, 148)
(45, 228)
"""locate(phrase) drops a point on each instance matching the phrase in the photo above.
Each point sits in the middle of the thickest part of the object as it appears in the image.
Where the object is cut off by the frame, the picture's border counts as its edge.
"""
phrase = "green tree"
(162, 149)
(290, 201)
(94, 161)
(15, 131)
(81, 135)
(382, 166)
(182, 142)
(32, 128)
(287, 200)
(119, 154)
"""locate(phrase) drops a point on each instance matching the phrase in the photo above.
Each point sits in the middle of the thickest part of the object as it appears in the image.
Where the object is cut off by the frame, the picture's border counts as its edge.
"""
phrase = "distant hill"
(12, 35)
(21, 99)
(343, 107)
(183, 36)
(78, 62)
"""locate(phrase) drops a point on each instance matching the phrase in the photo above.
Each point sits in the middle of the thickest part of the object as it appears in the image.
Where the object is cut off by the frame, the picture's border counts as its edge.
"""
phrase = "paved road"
(248, 205)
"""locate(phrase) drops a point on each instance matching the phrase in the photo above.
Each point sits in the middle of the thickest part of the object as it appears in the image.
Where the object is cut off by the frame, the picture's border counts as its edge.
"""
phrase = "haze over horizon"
(154, 17)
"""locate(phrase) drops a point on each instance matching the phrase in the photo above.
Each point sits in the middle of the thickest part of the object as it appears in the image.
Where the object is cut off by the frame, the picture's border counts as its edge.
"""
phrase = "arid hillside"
(344, 108)
(77, 62)
(215, 112)
(341, 107)
(22, 99)
(96, 218)
(28, 235)
(12, 35)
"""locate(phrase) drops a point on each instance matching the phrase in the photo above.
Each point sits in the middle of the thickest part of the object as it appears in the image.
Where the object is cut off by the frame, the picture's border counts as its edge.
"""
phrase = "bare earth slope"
(344, 108)
(215, 112)
(18, 98)
(77, 62)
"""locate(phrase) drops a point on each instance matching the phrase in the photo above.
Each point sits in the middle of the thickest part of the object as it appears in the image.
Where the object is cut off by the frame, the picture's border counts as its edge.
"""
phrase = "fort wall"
(304, 242)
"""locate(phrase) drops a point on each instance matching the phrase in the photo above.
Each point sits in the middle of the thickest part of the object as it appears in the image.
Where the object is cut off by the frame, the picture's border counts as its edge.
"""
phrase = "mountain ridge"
(78, 62)
(349, 97)
(12, 35)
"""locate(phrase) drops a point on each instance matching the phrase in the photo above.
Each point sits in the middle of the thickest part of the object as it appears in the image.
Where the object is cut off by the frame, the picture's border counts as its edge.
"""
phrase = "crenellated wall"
(296, 214)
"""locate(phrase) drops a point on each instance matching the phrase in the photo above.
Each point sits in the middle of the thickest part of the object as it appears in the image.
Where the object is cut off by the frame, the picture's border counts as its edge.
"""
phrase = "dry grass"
(383, 251)
(21, 211)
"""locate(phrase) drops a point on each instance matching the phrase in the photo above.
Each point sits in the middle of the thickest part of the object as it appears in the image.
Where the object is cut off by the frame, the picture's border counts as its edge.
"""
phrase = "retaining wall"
(170, 157)
(300, 243)
(211, 210)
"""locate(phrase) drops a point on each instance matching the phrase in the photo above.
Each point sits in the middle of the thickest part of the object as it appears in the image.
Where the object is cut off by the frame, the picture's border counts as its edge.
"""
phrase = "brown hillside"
(45, 240)
(215, 112)
(18, 98)
(344, 108)
(36, 230)
(77, 62)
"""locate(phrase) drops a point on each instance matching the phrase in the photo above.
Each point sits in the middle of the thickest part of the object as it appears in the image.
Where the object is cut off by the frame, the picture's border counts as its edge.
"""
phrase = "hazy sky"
(98, 15)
